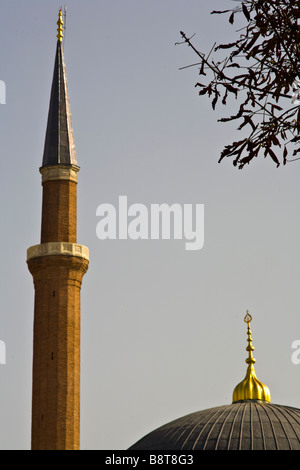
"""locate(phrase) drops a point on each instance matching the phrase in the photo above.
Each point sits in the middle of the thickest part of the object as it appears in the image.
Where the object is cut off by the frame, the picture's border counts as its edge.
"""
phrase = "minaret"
(57, 265)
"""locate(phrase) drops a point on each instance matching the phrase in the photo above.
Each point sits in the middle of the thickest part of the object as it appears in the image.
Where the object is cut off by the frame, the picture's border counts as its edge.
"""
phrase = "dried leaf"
(201, 72)
(225, 97)
(245, 11)
(214, 101)
(219, 12)
(225, 46)
(285, 152)
(273, 156)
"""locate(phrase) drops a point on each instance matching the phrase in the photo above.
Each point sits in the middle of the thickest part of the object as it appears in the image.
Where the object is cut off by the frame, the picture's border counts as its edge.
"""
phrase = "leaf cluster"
(258, 70)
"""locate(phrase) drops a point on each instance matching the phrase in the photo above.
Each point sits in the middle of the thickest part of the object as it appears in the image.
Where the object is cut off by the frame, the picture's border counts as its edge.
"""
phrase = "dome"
(246, 425)
(250, 422)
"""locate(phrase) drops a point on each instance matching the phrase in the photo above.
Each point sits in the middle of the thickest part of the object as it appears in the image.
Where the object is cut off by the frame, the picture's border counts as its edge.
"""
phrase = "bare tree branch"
(259, 71)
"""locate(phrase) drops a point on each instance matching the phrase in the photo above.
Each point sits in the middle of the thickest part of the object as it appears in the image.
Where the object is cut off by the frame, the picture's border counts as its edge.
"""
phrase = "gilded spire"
(250, 388)
(60, 26)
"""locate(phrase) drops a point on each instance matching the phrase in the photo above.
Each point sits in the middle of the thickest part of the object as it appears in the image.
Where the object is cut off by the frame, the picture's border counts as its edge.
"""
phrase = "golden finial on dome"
(60, 25)
(250, 388)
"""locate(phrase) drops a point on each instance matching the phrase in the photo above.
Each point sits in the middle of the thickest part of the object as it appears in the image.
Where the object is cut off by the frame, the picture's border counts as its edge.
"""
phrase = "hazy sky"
(162, 327)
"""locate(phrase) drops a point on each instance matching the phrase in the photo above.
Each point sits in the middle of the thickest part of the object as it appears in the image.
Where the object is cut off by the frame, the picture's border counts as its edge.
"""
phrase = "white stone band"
(58, 248)
(59, 172)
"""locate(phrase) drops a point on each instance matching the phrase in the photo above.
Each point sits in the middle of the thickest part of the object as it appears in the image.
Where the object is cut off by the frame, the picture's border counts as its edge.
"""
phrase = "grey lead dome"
(246, 425)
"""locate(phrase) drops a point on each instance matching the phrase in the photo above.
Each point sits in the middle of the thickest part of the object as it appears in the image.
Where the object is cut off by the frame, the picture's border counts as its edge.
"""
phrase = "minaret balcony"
(58, 248)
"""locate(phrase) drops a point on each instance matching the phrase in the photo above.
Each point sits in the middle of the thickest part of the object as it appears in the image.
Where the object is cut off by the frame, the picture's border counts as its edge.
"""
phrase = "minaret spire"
(250, 388)
(59, 143)
(57, 265)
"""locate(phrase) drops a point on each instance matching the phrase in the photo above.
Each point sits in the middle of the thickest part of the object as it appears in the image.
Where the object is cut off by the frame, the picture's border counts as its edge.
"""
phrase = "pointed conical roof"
(59, 142)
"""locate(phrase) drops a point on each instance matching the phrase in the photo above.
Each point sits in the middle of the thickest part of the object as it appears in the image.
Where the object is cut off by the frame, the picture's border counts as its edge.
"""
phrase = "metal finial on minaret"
(60, 26)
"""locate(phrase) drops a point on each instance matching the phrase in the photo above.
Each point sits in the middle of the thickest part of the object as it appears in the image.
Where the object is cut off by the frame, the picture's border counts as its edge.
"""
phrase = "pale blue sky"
(162, 328)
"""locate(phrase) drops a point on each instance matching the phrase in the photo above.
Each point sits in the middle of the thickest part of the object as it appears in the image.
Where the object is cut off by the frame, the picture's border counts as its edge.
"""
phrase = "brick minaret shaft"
(57, 265)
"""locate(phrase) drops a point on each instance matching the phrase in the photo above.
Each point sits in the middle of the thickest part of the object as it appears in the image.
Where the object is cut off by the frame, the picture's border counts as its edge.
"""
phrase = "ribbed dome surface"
(247, 425)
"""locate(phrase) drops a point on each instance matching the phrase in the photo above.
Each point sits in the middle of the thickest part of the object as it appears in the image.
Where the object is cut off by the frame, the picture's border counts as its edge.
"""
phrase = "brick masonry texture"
(59, 211)
(56, 364)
